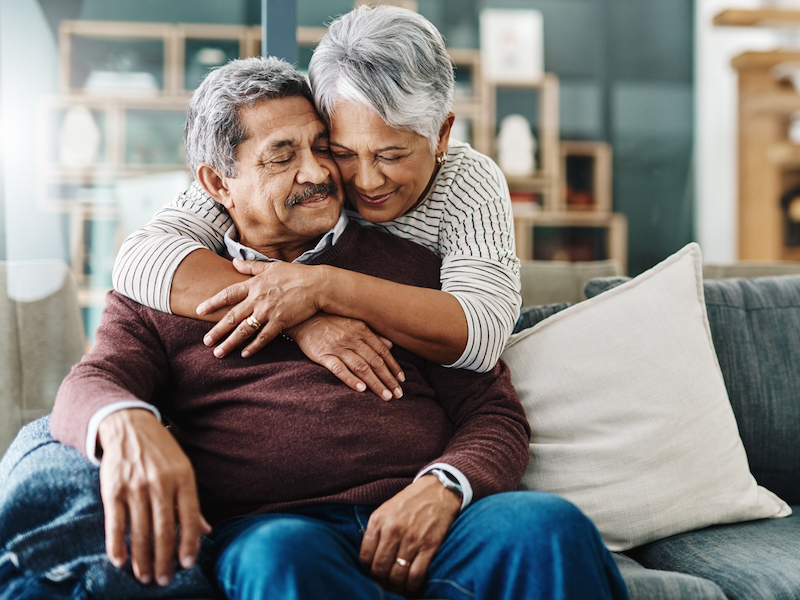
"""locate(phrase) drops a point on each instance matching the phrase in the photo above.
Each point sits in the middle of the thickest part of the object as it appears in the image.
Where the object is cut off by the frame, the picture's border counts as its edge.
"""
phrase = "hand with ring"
(405, 532)
(253, 322)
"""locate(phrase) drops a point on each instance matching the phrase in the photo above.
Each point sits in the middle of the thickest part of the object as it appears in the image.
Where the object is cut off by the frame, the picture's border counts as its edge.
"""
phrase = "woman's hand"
(277, 297)
(351, 351)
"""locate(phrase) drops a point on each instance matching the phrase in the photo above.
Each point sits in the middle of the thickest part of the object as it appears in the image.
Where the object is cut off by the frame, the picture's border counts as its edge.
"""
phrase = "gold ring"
(253, 322)
(401, 561)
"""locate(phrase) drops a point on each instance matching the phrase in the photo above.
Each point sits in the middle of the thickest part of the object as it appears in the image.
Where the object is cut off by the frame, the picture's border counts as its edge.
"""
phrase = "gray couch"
(755, 325)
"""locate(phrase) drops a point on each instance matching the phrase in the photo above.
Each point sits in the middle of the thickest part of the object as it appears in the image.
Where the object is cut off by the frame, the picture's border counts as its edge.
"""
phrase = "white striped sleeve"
(479, 263)
(149, 257)
(488, 294)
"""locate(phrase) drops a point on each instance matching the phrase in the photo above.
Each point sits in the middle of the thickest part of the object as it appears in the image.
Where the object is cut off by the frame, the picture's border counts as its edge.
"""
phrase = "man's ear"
(444, 134)
(215, 183)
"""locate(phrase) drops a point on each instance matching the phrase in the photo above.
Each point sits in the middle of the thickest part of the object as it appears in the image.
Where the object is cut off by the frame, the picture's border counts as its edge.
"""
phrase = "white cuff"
(97, 418)
(466, 499)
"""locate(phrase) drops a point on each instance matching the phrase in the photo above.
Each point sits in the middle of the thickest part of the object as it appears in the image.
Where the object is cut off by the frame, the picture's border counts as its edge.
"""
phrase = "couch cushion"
(41, 337)
(630, 417)
(758, 560)
(652, 584)
(755, 325)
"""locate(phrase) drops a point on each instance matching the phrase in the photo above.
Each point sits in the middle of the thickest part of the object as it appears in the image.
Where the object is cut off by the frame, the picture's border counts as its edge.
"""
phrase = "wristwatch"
(448, 481)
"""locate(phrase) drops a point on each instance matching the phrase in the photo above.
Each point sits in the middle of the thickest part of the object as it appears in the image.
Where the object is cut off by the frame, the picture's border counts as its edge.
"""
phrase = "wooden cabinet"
(769, 163)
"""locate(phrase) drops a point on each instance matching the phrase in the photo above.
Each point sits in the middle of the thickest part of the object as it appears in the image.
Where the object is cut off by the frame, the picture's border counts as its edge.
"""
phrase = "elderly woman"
(383, 82)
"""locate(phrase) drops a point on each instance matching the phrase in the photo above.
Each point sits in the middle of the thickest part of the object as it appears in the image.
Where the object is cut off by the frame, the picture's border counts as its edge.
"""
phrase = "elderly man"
(313, 490)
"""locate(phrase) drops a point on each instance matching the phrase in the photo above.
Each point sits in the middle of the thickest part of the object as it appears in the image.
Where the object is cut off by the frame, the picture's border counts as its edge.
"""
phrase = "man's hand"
(279, 295)
(351, 351)
(146, 479)
(410, 526)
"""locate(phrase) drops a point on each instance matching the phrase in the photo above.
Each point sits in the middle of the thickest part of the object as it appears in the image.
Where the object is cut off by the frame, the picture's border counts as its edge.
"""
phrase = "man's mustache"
(322, 189)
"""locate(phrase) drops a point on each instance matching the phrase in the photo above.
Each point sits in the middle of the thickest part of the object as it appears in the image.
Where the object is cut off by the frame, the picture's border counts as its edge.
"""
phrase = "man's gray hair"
(389, 59)
(213, 126)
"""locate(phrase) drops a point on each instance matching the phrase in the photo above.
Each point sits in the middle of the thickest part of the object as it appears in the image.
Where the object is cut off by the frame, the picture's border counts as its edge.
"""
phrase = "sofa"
(755, 327)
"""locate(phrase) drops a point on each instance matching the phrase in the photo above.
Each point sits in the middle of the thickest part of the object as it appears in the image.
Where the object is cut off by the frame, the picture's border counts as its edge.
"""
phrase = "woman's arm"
(149, 259)
(430, 323)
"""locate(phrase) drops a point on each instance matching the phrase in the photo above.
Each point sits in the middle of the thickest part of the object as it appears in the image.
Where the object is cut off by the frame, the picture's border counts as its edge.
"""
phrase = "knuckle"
(376, 362)
(361, 368)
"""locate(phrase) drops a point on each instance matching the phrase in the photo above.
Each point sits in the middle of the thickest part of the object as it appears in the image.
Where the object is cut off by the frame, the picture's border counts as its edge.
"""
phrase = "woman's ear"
(215, 183)
(444, 134)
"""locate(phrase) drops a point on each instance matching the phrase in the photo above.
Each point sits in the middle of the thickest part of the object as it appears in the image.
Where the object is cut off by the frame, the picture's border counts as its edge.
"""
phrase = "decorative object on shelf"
(789, 71)
(790, 203)
(80, 138)
(794, 127)
(516, 147)
(512, 45)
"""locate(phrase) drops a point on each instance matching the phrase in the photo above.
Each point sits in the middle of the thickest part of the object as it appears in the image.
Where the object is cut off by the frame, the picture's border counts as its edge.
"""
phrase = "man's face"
(287, 189)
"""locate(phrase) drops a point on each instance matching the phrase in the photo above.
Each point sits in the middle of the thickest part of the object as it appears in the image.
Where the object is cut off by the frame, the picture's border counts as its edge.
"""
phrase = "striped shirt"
(465, 219)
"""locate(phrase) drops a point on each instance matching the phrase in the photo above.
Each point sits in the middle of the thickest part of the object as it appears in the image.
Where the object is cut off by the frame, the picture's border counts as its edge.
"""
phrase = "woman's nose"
(368, 177)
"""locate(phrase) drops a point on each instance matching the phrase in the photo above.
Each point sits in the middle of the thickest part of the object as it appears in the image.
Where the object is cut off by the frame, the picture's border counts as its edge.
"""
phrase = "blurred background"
(648, 123)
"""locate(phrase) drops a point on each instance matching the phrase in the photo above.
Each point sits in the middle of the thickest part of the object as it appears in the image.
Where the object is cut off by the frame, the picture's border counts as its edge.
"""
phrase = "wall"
(31, 233)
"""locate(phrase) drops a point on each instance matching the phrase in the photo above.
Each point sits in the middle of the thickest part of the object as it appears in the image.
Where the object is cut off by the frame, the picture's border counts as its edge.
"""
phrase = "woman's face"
(385, 171)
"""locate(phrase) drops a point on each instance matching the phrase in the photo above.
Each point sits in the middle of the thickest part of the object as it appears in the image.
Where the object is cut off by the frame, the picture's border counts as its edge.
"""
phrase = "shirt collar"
(237, 250)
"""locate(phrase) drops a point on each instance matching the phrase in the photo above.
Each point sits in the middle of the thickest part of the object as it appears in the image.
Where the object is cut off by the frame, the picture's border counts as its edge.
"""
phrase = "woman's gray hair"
(213, 126)
(389, 59)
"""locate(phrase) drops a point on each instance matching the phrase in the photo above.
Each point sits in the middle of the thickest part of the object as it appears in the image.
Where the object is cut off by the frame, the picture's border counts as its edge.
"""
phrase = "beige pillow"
(630, 417)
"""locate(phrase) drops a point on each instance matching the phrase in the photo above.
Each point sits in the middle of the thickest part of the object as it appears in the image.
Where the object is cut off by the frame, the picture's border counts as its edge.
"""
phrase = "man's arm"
(489, 446)
(145, 478)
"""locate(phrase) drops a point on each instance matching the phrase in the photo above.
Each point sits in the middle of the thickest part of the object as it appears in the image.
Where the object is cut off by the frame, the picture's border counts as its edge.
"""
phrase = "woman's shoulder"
(469, 179)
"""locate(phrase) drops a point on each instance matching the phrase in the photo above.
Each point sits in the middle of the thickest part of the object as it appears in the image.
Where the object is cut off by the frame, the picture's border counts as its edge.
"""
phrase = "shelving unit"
(769, 164)
(129, 81)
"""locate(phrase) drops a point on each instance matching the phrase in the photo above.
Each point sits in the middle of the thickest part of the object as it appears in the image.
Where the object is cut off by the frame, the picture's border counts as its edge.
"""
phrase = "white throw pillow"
(630, 417)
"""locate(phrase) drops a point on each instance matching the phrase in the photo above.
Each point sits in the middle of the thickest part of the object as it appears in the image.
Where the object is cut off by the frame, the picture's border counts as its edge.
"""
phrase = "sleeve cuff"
(460, 477)
(97, 418)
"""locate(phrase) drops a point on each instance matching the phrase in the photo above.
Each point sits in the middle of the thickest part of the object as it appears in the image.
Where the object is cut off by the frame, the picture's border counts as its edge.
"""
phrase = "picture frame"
(512, 45)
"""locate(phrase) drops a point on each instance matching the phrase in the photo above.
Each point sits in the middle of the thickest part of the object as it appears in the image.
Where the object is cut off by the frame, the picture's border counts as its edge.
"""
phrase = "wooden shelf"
(766, 157)
(616, 226)
(762, 17)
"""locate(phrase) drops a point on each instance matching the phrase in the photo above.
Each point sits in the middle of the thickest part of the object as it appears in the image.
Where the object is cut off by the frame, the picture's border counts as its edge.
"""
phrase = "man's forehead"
(283, 121)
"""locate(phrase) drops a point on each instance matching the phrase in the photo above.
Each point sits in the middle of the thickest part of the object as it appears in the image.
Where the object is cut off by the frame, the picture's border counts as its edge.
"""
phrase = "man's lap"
(513, 537)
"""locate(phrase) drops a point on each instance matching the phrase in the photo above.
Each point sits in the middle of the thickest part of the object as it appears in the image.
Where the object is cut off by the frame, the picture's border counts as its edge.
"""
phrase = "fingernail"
(360, 387)
(163, 580)
(207, 340)
(187, 562)
(401, 376)
(387, 395)
(398, 393)
(245, 353)
(218, 352)
(145, 578)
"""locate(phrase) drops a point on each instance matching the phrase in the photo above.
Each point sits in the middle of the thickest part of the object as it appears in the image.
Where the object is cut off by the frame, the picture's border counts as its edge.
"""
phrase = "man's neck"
(287, 252)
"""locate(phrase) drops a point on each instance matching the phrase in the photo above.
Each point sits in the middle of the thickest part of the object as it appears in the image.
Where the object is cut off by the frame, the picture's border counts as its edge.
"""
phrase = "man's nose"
(312, 170)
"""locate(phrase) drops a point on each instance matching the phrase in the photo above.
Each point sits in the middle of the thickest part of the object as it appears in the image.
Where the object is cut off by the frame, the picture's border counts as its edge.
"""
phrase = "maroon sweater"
(276, 430)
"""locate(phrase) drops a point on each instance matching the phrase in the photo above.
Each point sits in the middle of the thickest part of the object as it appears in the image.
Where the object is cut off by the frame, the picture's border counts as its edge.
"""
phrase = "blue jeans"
(518, 545)
(52, 539)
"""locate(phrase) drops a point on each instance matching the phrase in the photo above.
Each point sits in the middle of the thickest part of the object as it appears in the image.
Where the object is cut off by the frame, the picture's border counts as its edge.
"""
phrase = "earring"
(440, 160)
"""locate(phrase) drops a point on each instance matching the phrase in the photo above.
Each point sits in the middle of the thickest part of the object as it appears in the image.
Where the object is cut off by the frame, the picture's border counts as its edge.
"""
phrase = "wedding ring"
(253, 322)
(401, 561)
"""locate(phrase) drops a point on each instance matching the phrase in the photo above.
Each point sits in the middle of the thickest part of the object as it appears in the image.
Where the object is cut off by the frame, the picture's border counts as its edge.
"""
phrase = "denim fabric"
(651, 584)
(52, 541)
(755, 324)
(519, 545)
(757, 560)
(531, 315)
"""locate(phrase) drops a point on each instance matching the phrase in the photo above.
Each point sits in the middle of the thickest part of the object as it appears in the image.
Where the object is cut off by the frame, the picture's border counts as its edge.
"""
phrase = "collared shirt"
(237, 250)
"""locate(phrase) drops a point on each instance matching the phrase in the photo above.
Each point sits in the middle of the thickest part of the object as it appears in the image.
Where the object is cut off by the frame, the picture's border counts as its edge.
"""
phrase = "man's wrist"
(113, 425)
